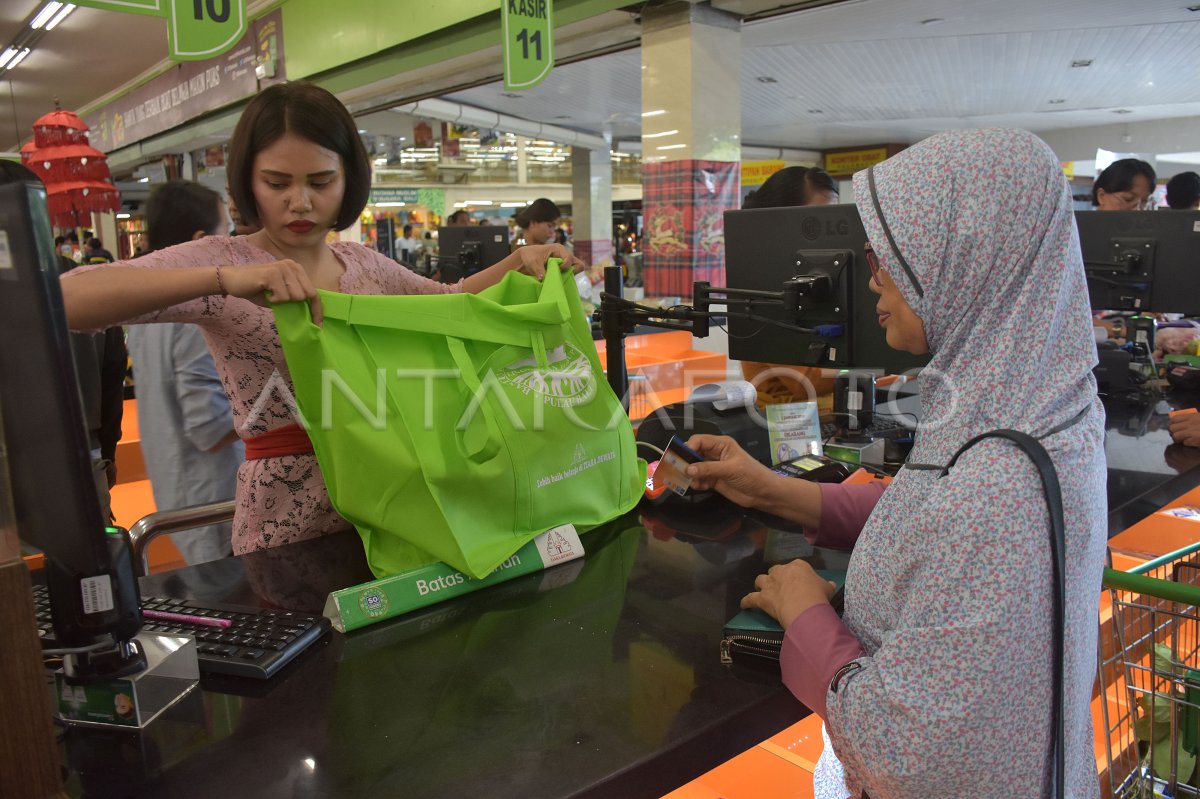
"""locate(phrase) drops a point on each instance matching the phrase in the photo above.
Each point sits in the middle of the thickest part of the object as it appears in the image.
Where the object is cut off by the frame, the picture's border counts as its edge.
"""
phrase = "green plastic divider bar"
(1152, 586)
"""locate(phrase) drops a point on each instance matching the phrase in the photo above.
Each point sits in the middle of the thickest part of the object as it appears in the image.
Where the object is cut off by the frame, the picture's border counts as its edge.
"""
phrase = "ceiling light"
(122, 216)
(19, 58)
(362, 130)
(766, 79)
(60, 16)
(513, 205)
(44, 15)
(659, 135)
(388, 205)
(143, 180)
(7, 56)
(1081, 62)
(672, 147)
(653, 113)
(478, 202)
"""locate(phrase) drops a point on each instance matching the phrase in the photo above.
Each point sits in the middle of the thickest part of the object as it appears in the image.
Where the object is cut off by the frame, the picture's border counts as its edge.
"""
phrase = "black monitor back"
(1142, 260)
(54, 493)
(766, 246)
(464, 250)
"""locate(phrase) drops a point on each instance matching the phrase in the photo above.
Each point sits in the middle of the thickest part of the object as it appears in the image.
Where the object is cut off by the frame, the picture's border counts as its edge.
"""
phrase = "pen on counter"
(183, 618)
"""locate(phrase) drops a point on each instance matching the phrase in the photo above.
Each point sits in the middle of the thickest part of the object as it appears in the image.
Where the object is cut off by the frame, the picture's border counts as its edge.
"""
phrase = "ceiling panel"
(87, 55)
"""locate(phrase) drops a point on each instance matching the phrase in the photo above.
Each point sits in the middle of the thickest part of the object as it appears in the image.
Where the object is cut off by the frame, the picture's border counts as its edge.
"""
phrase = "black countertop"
(597, 678)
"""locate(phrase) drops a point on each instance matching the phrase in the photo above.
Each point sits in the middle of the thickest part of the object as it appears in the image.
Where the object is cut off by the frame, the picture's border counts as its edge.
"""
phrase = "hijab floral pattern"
(949, 587)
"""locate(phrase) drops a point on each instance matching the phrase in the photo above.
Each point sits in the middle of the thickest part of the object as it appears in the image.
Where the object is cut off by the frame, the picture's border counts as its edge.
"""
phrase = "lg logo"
(812, 228)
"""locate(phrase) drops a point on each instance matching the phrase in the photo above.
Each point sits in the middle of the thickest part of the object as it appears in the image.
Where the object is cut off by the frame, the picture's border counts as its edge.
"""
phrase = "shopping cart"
(1150, 677)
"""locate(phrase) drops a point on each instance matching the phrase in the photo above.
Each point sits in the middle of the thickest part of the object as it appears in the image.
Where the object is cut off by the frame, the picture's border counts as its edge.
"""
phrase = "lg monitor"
(765, 247)
(464, 250)
(89, 571)
(1142, 260)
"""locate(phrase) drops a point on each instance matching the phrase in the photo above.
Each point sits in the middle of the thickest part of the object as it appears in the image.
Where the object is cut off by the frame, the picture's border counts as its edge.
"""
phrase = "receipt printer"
(682, 419)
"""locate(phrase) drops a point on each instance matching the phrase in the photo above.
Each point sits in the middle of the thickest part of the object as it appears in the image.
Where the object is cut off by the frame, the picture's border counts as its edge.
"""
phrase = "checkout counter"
(598, 678)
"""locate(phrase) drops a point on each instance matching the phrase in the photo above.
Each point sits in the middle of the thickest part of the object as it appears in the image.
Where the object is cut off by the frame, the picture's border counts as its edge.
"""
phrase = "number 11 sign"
(528, 42)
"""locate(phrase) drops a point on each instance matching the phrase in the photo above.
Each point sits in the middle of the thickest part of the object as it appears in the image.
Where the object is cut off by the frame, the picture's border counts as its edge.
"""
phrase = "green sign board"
(196, 29)
(528, 42)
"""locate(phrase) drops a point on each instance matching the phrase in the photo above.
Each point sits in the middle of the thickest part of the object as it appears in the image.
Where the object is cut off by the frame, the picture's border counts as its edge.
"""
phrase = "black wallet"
(754, 633)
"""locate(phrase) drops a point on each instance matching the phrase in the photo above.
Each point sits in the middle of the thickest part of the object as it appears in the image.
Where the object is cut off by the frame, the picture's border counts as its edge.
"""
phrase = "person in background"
(538, 221)
(779, 383)
(298, 167)
(948, 593)
(1125, 185)
(459, 218)
(1183, 192)
(240, 226)
(95, 253)
(408, 249)
(794, 185)
(191, 449)
(100, 359)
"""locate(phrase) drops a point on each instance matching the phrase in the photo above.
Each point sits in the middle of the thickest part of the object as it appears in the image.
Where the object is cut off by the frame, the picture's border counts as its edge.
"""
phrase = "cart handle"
(1152, 586)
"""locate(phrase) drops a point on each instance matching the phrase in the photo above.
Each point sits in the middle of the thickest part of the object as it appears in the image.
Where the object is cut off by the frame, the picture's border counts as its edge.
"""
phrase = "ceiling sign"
(528, 42)
(196, 29)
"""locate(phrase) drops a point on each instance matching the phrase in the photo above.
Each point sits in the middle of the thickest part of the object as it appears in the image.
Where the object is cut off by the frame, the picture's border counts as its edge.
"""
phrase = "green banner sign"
(196, 29)
(528, 42)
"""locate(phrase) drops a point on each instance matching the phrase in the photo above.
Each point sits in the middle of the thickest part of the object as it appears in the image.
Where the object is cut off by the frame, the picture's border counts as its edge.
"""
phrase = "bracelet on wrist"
(220, 288)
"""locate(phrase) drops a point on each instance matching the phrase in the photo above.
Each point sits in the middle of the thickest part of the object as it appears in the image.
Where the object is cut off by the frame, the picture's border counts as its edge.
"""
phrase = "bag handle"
(483, 447)
(487, 319)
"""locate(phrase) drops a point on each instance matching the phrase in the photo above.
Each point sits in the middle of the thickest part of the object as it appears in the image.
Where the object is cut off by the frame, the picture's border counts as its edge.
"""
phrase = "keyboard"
(257, 644)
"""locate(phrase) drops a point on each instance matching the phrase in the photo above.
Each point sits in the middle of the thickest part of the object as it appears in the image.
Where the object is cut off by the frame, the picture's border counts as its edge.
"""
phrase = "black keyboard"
(257, 643)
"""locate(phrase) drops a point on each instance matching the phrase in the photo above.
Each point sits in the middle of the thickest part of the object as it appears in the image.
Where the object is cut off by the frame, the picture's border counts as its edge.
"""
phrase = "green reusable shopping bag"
(462, 425)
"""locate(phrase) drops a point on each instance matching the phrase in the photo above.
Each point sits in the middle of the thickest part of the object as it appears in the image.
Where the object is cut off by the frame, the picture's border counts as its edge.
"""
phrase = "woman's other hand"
(729, 470)
(787, 590)
(533, 259)
(1185, 428)
(267, 284)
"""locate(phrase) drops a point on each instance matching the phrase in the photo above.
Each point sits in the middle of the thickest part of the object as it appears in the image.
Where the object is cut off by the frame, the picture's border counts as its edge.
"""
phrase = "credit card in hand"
(672, 467)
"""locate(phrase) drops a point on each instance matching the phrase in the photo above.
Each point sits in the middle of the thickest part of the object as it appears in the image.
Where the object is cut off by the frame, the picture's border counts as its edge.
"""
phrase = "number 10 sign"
(528, 42)
(196, 29)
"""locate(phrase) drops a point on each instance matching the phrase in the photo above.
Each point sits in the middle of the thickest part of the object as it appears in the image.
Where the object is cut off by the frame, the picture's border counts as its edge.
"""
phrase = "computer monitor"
(1142, 260)
(89, 572)
(464, 250)
(764, 247)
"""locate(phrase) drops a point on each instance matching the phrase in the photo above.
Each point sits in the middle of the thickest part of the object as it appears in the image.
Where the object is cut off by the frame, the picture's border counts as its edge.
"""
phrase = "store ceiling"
(876, 70)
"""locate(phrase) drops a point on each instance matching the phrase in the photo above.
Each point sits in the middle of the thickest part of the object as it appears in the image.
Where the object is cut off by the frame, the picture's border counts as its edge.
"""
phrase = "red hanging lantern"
(76, 174)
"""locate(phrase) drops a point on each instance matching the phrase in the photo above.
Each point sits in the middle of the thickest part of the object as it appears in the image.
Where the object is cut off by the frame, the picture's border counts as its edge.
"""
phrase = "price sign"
(528, 42)
(196, 29)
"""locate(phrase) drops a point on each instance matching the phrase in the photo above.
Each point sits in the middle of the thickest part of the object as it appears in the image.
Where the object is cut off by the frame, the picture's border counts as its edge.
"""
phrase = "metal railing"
(152, 525)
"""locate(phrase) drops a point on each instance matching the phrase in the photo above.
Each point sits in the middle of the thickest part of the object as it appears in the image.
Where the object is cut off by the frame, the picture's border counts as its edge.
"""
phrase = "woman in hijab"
(936, 681)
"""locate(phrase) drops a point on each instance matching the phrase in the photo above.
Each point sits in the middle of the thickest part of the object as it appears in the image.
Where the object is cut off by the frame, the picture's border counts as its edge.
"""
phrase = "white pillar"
(591, 205)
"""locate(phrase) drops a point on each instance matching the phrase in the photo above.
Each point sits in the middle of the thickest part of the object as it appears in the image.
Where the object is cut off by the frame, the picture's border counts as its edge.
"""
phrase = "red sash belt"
(287, 440)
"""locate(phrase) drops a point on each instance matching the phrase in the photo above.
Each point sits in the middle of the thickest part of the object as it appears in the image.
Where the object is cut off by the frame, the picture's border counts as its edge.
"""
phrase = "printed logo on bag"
(567, 381)
(373, 602)
(558, 547)
(580, 454)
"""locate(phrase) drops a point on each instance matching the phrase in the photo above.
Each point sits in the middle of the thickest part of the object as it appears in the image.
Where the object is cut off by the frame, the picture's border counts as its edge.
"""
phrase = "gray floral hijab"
(977, 230)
